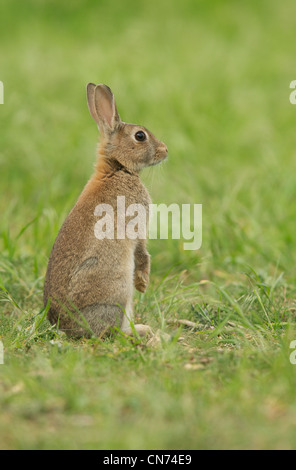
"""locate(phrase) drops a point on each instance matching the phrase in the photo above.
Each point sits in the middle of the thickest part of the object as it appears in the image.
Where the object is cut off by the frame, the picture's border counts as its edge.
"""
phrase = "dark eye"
(140, 136)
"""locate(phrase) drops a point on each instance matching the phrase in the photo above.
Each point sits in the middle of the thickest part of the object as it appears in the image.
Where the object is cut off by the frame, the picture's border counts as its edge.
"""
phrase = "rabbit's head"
(131, 145)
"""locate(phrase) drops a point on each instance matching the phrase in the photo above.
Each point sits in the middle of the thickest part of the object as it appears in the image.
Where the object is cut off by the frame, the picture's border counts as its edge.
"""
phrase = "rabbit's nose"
(164, 148)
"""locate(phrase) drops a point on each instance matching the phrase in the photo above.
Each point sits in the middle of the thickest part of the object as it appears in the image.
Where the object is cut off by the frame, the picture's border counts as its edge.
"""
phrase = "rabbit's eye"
(140, 136)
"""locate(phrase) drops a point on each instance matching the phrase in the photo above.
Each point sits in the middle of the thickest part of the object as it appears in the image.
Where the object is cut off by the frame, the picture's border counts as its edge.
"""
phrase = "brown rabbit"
(90, 281)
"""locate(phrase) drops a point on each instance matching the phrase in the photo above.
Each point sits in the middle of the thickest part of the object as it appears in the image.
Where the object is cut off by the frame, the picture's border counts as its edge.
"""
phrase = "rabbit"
(89, 281)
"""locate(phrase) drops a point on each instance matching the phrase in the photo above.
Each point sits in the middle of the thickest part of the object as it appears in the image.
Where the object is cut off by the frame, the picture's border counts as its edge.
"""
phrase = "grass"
(212, 81)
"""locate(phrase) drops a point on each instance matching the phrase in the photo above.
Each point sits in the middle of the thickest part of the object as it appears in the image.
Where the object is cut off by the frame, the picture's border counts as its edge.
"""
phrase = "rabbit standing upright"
(90, 281)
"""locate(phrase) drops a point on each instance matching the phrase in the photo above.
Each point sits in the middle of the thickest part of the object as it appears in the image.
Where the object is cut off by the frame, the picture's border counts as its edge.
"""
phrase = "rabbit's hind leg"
(139, 329)
(127, 316)
(99, 318)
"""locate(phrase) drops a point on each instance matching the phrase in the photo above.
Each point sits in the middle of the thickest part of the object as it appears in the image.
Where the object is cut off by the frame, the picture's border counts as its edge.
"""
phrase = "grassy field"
(211, 79)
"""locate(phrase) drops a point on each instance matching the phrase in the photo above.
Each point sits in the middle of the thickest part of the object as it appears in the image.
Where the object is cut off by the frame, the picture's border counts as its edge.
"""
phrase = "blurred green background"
(210, 79)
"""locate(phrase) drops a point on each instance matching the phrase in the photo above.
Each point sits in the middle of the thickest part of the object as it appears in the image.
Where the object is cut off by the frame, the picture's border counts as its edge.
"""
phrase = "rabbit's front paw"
(141, 280)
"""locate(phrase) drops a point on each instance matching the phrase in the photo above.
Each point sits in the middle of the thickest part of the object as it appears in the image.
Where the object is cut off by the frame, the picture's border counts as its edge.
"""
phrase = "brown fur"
(90, 282)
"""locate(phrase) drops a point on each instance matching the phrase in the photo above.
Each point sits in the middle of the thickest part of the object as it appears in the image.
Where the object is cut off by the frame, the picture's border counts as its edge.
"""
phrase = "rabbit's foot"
(140, 330)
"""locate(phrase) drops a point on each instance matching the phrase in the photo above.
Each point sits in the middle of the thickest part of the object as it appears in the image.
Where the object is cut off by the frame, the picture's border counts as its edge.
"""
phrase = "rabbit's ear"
(106, 113)
(90, 92)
